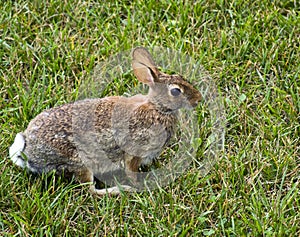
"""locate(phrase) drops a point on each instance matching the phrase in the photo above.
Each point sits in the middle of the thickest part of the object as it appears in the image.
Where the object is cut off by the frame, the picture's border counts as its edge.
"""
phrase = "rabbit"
(91, 137)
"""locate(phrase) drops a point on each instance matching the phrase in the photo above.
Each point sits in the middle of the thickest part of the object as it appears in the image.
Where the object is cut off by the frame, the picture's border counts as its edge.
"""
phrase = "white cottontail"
(102, 135)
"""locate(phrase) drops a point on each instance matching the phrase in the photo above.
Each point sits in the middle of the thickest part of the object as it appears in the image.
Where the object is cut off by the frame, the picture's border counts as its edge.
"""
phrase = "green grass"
(251, 48)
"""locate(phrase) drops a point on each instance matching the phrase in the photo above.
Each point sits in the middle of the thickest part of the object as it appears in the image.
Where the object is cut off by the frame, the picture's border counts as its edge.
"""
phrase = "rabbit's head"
(167, 92)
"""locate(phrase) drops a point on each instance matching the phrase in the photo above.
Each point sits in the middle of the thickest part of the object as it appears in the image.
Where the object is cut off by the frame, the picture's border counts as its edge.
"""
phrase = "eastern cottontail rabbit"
(101, 135)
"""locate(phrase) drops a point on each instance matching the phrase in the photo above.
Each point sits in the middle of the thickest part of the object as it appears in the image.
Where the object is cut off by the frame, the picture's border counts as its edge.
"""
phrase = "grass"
(251, 48)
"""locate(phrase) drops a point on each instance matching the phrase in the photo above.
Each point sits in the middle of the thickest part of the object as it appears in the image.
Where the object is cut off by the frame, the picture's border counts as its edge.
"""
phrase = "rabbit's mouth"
(194, 104)
(190, 106)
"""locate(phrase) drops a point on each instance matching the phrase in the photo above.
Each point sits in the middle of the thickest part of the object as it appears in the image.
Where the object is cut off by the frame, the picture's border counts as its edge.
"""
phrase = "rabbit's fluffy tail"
(15, 150)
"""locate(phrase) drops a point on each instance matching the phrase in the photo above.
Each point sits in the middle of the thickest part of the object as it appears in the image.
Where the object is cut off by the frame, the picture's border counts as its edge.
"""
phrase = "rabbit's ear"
(143, 73)
(143, 66)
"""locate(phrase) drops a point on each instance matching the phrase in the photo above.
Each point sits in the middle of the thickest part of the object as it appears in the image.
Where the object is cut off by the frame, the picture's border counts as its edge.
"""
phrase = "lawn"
(251, 49)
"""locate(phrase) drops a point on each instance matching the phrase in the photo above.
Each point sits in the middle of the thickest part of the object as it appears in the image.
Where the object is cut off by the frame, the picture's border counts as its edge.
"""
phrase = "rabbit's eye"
(175, 91)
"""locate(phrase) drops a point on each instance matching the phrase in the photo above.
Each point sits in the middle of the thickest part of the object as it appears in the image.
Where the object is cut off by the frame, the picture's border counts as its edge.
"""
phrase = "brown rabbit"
(94, 137)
